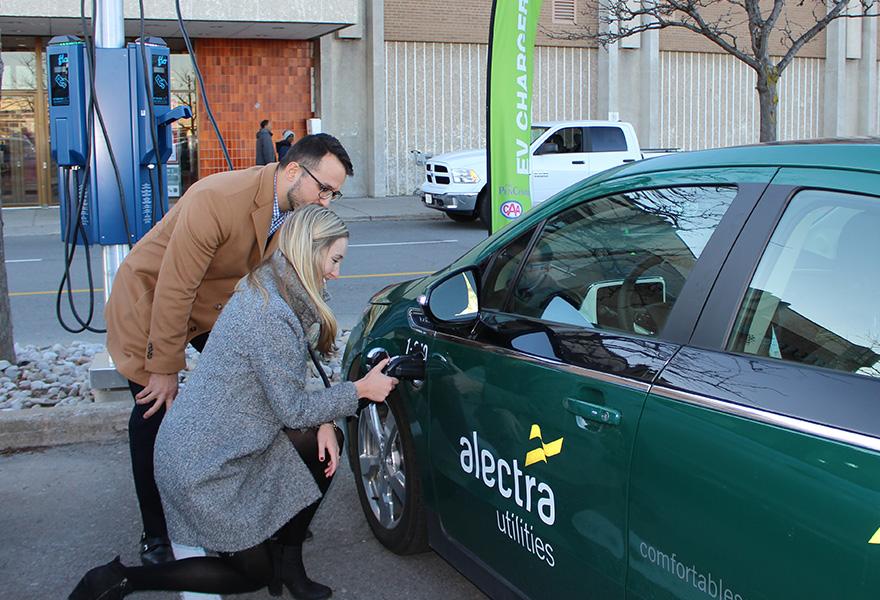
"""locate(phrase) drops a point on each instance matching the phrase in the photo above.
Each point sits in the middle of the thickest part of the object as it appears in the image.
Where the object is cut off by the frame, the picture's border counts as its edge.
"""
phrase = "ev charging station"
(111, 137)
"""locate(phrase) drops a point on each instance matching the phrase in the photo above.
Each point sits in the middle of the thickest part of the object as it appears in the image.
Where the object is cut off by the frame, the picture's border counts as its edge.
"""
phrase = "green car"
(662, 383)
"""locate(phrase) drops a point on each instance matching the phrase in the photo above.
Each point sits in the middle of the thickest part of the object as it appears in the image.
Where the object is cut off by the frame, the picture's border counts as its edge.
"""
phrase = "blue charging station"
(136, 109)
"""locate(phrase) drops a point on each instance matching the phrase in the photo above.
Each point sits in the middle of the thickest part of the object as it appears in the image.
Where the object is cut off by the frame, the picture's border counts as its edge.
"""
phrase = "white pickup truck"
(563, 153)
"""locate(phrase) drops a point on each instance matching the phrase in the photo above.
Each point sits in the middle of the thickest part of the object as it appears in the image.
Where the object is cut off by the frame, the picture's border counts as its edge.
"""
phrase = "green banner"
(511, 59)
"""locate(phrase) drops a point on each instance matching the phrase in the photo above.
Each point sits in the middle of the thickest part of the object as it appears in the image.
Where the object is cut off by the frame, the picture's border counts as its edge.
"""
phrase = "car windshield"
(538, 132)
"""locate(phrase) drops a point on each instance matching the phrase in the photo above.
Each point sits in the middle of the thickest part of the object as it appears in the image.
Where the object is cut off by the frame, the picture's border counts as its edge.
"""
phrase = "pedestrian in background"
(284, 145)
(170, 289)
(232, 477)
(265, 152)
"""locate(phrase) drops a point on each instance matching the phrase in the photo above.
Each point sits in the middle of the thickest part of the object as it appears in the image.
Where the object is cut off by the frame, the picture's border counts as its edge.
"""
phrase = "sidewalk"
(46, 221)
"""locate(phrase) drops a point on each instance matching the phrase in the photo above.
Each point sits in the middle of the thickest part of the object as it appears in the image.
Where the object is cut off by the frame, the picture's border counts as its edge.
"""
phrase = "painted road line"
(403, 243)
(53, 292)
(364, 276)
(24, 260)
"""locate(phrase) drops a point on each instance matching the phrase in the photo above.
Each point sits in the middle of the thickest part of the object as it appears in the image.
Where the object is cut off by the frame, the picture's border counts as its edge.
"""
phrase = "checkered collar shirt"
(277, 215)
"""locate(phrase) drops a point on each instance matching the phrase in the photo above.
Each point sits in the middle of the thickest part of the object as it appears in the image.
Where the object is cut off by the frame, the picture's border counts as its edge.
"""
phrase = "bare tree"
(725, 23)
(7, 347)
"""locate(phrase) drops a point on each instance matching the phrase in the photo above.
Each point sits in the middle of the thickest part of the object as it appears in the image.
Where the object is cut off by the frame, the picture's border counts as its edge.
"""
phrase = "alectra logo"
(507, 478)
(545, 451)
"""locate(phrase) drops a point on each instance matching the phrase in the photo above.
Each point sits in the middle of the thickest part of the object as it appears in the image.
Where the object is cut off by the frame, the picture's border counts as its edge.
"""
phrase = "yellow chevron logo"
(876, 538)
(545, 451)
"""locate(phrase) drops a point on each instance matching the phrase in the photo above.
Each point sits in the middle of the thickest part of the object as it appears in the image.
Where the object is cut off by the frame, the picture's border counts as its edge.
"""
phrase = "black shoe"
(155, 550)
(107, 582)
(293, 574)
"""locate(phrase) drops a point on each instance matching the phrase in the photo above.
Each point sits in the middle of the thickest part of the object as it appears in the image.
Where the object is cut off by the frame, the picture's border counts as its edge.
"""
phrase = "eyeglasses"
(324, 191)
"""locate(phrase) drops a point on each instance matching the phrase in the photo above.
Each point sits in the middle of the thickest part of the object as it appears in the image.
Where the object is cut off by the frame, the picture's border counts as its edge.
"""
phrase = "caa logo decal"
(511, 209)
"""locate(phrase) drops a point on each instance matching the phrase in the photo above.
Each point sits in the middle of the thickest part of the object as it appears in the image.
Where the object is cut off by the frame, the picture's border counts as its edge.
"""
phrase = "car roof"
(576, 122)
(860, 154)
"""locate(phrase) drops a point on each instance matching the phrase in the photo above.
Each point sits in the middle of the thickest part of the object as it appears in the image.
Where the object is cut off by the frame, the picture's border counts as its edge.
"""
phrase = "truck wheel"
(484, 208)
(461, 217)
(382, 457)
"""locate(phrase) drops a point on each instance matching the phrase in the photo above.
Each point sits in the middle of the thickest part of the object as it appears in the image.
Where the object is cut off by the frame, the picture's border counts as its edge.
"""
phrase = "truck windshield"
(537, 132)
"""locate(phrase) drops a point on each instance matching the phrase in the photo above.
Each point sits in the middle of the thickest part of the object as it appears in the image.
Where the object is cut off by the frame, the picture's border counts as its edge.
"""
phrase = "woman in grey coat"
(245, 455)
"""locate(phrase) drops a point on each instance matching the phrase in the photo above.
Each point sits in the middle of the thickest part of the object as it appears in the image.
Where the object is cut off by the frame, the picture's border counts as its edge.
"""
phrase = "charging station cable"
(192, 55)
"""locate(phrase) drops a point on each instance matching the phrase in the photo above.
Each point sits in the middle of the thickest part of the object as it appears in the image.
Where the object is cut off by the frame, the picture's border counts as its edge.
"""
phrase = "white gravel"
(58, 375)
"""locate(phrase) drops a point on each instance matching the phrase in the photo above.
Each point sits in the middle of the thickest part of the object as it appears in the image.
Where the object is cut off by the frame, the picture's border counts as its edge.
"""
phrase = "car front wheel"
(382, 458)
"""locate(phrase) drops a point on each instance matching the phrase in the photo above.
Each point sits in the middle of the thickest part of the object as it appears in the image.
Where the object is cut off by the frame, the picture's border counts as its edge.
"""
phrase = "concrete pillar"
(351, 96)
(608, 76)
(649, 101)
(375, 25)
(867, 105)
(835, 79)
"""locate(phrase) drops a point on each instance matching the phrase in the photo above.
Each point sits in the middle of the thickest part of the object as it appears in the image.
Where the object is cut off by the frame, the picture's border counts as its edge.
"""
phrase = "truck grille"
(437, 173)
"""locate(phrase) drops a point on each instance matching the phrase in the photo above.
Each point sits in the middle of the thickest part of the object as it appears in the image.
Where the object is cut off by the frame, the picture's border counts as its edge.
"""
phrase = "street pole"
(110, 33)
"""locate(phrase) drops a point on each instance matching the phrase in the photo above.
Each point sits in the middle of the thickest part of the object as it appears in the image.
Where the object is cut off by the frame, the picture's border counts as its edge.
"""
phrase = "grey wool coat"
(228, 475)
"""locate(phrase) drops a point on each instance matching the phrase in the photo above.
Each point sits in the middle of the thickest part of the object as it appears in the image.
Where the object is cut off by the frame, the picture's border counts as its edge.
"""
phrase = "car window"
(564, 141)
(814, 296)
(605, 139)
(537, 132)
(499, 276)
(619, 262)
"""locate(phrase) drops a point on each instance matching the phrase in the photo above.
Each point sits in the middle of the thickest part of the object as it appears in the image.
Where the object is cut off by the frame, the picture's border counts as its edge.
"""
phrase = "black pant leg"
(293, 533)
(141, 441)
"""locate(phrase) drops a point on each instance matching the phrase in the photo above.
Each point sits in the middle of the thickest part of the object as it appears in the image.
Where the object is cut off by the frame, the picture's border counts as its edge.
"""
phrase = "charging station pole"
(110, 33)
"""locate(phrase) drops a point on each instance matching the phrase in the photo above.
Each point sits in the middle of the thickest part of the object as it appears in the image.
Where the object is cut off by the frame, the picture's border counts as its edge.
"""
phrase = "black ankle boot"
(293, 575)
(156, 550)
(107, 582)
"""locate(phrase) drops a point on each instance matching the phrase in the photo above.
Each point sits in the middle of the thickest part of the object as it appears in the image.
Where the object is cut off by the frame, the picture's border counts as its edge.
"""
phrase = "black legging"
(247, 570)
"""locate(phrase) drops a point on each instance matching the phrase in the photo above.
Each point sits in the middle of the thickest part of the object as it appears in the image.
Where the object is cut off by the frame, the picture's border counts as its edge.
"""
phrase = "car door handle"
(578, 162)
(592, 412)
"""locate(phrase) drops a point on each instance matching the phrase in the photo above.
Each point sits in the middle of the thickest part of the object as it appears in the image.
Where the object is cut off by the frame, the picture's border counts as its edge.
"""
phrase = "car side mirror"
(453, 300)
(547, 148)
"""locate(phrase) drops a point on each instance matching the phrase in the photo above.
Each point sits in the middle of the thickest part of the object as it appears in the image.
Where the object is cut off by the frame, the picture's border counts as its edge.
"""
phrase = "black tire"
(484, 208)
(461, 217)
(409, 534)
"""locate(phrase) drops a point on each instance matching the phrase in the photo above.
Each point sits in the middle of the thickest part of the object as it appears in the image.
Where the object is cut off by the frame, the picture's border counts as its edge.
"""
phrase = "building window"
(565, 12)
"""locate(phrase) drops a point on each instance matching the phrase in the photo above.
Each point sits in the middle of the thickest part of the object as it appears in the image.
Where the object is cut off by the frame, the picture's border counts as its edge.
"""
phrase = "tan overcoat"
(173, 284)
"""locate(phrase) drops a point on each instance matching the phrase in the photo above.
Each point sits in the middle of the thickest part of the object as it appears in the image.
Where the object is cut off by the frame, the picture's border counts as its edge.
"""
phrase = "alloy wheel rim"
(380, 455)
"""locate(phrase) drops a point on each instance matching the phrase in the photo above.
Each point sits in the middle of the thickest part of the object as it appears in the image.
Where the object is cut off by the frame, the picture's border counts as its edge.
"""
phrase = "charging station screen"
(60, 78)
(161, 81)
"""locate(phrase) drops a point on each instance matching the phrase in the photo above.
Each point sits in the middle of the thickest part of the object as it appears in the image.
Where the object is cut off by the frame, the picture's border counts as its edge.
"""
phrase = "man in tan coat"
(171, 288)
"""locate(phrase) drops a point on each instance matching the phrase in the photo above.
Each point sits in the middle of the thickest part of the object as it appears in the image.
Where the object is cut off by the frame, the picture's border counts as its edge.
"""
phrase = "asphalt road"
(381, 253)
(66, 509)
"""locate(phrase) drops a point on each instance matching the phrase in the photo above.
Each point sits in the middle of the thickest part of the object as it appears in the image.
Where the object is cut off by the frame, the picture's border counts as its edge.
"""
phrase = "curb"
(39, 428)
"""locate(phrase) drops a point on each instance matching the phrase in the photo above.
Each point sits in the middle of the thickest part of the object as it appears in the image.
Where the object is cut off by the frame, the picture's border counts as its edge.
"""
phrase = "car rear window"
(605, 139)
(814, 296)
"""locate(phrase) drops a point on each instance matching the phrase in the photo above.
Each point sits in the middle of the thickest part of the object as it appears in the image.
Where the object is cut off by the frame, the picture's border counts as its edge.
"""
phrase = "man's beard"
(292, 200)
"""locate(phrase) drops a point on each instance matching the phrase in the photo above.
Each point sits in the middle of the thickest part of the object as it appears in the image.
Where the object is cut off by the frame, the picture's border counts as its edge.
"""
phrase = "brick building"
(390, 77)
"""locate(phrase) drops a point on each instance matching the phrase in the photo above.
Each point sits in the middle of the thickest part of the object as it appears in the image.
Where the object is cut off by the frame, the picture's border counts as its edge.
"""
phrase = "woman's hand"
(328, 446)
(376, 385)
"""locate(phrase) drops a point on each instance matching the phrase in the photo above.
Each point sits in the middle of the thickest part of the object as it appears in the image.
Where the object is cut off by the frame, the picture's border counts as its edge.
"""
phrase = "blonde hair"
(304, 239)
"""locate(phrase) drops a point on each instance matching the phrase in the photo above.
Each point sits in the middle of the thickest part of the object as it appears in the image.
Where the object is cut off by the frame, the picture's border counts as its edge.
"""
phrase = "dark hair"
(309, 151)
(263, 123)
